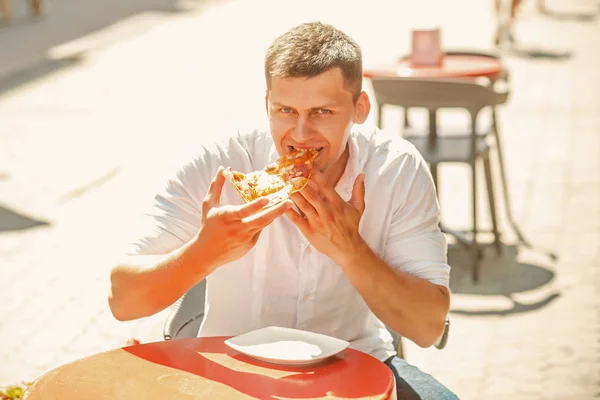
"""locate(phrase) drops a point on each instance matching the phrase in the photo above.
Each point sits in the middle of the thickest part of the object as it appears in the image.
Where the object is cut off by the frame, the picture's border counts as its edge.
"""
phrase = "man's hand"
(328, 222)
(227, 233)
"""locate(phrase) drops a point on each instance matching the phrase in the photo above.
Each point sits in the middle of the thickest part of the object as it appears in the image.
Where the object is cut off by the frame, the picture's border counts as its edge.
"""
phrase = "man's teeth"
(304, 149)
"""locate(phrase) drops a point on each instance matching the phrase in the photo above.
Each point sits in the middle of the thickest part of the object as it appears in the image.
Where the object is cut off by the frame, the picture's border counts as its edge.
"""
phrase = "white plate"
(287, 346)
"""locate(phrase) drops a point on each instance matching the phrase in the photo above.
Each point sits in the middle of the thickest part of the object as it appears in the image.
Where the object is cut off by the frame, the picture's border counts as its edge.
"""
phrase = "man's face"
(317, 113)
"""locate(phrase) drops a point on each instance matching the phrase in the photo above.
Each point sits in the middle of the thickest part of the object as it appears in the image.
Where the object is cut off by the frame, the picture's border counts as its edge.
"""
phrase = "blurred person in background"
(6, 9)
(506, 13)
(359, 247)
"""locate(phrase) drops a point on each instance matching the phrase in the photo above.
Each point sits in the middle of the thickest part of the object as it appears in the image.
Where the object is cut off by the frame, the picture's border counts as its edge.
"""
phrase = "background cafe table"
(206, 368)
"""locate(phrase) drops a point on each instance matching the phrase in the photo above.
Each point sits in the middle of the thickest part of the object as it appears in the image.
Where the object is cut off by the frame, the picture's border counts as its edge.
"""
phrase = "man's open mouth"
(293, 148)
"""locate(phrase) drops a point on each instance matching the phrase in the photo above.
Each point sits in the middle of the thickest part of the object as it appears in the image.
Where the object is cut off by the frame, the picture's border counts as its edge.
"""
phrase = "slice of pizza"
(277, 181)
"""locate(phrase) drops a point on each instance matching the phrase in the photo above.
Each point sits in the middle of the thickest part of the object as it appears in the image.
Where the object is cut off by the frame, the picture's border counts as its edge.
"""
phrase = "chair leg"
(492, 204)
(406, 119)
(507, 204)
(400, 349)
(476, 252)
(434, 175)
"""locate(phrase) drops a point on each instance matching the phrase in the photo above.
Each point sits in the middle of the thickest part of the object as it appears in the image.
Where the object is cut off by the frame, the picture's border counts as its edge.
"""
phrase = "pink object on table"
(206, 368)
(452, 66)
(426, 48)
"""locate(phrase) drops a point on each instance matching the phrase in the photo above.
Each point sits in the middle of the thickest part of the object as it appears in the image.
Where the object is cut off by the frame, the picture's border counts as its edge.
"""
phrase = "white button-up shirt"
(283, 280)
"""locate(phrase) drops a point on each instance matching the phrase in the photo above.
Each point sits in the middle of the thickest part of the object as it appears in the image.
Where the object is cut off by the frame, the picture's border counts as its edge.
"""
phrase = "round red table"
(453, 66)
(206, 368)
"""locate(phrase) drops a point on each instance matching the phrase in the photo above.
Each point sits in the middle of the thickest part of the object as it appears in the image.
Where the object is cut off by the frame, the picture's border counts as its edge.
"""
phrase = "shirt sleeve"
(415, 243)
(175, 214)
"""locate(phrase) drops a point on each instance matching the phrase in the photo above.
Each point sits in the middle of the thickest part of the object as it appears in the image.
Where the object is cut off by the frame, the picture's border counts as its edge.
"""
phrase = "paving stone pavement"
(89, 127)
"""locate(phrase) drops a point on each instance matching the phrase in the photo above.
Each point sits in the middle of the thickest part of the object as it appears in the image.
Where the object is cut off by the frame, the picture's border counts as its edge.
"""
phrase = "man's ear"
(267, 101)
(362, 108)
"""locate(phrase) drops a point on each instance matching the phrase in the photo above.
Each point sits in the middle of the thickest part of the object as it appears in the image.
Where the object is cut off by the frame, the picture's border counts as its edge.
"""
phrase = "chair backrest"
(434, 94)
(187, 314)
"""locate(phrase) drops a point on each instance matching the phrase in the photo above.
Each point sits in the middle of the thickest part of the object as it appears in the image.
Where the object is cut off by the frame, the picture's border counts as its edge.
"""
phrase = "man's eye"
(323, 111)
(286, 110)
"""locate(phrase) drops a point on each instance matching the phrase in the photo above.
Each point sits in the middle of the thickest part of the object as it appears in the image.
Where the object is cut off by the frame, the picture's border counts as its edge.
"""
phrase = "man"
(506, 13)
(506, 20)
(357, 248)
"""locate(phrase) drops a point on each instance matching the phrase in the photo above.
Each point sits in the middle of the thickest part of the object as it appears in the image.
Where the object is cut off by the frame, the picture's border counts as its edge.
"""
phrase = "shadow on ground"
(13, 221)
(571, 16)
(548, 53)
(538, 53)
(31, 39)
(502, 275)
(44, 67)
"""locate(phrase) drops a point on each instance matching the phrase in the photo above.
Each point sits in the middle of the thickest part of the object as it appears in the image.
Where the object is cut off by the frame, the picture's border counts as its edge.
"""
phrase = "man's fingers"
(303, 205)
(297, 220)
(262, 219)
(213, 197)
(315, 200)
(358, 193)
(246, 210)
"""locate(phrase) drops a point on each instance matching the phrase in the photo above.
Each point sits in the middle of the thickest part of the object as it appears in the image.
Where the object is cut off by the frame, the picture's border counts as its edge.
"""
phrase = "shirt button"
(305, 298)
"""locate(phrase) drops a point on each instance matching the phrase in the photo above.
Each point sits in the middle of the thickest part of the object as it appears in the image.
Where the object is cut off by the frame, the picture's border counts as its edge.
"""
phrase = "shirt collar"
(354, 166)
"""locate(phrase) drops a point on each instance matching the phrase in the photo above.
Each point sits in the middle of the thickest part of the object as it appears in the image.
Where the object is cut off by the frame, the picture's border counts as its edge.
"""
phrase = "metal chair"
(466, 148)
(188, 312)
(500, 83)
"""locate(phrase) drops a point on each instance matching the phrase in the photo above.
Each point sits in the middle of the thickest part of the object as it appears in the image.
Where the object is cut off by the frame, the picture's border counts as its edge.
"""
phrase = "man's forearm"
(411, 306)
(144, 285)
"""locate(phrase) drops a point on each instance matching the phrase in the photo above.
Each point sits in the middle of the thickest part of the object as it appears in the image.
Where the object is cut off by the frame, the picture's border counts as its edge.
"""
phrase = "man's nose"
(304, 130)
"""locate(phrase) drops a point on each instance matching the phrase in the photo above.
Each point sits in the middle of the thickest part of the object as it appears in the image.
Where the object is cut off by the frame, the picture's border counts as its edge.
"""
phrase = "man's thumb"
(213, 197)
(358, 193)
